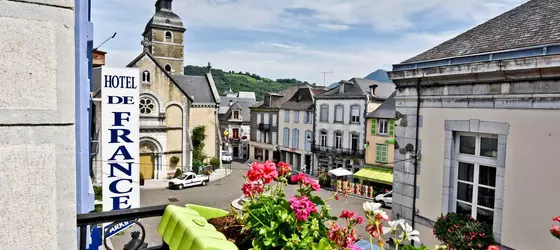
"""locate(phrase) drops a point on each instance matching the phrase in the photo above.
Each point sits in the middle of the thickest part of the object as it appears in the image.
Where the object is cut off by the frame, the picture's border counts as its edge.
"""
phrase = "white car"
(226, 157)
(188, 179)
(385, 199)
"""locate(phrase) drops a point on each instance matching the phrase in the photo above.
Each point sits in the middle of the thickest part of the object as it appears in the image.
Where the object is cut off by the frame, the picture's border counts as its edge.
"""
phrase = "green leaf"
(323, 244)
(317, 200)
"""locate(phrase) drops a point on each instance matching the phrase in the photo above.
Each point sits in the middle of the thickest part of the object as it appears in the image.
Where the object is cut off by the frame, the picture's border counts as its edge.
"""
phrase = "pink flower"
(346, 214)
(306, 181)
(493, 247)
(557, 219)
(256, 172)
(359, 219)
(555, 231)
(354, 247)
(284, 168)
(252, 188)
(269, 172)
(303, 207)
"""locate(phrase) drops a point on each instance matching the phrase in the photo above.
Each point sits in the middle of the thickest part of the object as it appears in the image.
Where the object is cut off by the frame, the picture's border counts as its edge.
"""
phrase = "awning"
(381, 175)
(340, 172)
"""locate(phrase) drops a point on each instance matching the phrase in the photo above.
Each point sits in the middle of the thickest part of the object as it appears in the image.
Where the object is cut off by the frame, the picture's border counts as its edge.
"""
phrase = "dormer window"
(168, 68)
(168, 37)
(236, 115)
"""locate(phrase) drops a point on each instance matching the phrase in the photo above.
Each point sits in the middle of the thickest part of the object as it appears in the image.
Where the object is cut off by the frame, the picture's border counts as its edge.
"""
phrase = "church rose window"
(146, 106)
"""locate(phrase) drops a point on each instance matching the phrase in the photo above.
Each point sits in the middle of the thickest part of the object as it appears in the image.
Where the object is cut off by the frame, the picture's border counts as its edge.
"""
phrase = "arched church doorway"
(148, 153)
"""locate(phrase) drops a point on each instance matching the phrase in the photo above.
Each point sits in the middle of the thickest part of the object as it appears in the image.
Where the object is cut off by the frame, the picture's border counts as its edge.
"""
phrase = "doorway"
(147, 166)
(355, 139)
(236, 151)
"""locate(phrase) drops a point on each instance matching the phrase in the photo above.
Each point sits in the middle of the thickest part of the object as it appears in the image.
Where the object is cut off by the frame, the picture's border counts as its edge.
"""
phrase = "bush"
(215, 163)
(325, 180)
(196, 168)
(178, 173)
(463, 232)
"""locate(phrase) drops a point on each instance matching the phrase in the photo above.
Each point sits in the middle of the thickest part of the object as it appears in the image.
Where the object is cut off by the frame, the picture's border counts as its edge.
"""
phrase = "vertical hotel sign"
(120, 141)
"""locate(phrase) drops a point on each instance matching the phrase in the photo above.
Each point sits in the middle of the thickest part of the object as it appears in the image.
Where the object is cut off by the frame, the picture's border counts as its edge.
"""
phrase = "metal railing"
(340, 151)
(264, 127)
(116, 216)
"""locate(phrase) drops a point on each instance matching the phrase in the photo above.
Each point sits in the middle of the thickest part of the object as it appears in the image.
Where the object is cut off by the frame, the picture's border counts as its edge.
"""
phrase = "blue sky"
(296, 38)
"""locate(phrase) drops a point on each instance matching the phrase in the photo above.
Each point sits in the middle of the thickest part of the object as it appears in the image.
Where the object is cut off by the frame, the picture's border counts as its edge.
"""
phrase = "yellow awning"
(381, 175)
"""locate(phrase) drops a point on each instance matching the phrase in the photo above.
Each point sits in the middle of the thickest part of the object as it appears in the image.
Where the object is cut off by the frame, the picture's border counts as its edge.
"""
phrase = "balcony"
(340, 151)
(234, 139)
(264, 127)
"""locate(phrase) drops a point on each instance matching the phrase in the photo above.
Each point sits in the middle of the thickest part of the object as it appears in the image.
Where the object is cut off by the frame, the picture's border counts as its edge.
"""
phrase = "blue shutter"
(295, 139)
(286, 137)
(305, 117)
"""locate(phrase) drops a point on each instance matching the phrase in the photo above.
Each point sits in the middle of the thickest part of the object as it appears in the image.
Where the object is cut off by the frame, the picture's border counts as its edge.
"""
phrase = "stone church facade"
(167, 106)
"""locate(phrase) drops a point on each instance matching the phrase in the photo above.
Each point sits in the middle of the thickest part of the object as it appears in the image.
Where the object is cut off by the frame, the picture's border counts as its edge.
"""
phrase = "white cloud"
(334, 26)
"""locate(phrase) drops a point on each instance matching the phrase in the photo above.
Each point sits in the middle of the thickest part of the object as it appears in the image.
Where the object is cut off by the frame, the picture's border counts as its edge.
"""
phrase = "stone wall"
(37, 117)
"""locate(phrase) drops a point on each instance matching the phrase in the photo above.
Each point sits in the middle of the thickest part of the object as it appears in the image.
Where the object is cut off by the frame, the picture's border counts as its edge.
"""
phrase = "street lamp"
(309, 139)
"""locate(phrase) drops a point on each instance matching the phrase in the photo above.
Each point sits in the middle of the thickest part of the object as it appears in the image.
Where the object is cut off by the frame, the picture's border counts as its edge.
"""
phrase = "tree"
(198, 137)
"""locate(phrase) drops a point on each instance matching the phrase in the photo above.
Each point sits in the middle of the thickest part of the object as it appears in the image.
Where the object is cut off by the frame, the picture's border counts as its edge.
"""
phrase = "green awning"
(381, 175)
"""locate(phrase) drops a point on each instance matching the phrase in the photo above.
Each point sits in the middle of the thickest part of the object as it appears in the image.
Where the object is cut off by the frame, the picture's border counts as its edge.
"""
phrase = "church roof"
(164, 18)
(198, 86)
(531, 24)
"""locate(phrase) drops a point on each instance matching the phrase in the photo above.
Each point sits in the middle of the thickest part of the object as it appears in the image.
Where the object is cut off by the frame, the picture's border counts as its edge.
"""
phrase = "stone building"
(486, 107)
(168, 110)
(235, 118)
(340, 125)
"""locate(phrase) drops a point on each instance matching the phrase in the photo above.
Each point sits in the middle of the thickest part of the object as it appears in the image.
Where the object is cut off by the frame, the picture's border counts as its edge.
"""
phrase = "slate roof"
(283, 95)
(301, 99)
(386, 110)
(198, 86)
(241, 102)
(358, 87)
(533, 23)
(165, 19)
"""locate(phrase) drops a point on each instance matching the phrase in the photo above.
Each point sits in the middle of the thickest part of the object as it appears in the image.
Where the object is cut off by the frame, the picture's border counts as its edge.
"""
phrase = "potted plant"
(174, 159)
(463, 232)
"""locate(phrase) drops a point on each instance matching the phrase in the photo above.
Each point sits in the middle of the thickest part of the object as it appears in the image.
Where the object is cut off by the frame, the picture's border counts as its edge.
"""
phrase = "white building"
(235, 118)
(295, 129)
(340, 122)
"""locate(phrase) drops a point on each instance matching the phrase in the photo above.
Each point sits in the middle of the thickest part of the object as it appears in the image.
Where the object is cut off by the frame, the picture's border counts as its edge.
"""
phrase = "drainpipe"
(416, 153)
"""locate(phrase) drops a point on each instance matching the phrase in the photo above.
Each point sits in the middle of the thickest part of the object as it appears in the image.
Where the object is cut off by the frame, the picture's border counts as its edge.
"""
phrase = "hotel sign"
(120, 141)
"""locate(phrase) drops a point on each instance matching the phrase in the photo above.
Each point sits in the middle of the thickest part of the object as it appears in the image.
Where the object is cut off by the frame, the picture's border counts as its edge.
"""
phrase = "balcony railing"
(340, 151)
(234, 139)
(264, 127)
(90, 219)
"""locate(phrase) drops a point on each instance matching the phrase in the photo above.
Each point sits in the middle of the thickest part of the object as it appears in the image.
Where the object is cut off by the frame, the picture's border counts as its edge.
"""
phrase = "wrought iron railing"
(264, 127)
(340, 151)
(90, 219)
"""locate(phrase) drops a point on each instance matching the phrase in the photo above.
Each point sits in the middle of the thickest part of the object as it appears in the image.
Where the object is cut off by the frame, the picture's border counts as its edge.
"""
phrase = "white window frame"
(266, 118)
(258, 136)
(476, 160)
(274, 120)
(352, 120)
(382, 126)
(324, 137)
(324, 117)
(338, 140)
(259, 121)
(336, 113)
(274, 138)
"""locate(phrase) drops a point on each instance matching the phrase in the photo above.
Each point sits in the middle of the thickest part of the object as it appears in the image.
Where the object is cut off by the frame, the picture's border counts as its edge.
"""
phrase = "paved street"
(217, 194)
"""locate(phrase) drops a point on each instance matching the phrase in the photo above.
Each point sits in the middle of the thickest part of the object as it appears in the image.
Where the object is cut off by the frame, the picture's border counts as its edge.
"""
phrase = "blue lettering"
(115, 82)
(123, 169)
(113, 186)
(112, 99)
(127, 100)
(117, 202)
(115, 135)
(119, 118)
(107, 81)
(133, 82)
(121, 151)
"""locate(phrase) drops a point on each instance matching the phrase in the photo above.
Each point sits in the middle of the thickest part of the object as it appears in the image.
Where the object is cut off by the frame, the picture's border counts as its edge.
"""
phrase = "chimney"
(98, 58)
(163, 4)
(341, 86)
(372, 89)
(209, 67)
(230, 103)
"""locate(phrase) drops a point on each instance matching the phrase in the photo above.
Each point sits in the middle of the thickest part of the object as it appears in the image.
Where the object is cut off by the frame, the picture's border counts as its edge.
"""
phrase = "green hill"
(239, 81)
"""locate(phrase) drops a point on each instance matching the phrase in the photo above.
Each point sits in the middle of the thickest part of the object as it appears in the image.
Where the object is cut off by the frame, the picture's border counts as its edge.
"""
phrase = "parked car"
(188, 179)
(385, 199)
(226, 157)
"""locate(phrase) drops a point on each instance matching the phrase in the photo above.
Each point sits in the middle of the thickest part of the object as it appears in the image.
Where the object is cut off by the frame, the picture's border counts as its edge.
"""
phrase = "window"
(263, 136)
(258, 136)
(307, 116)
(383, 127)
(266, 118)
(338, 113)
(324, 113)
(296, 116)
(381, 153)
(338, 139)
(355, 114)
(323, 138)
(259, 118)
(287, 116)
(236, 115)
(168, 37)
(308, 139)
(146, 76)
(475, 189)
(274, 120)
(354, 142)
(286, 137)
(295, 139)
(168, 68)
(235, 133)
(274, 138)
(147, 106)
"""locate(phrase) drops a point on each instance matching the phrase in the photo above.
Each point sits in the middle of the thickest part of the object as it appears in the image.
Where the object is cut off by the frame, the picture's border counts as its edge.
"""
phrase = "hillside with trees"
(243, 81)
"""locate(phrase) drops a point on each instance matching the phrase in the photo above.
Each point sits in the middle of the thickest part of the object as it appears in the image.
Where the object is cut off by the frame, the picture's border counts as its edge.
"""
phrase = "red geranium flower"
(284, 168)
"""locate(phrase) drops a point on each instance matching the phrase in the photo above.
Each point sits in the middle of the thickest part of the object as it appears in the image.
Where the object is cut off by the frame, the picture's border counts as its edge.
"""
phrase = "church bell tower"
(163, 37)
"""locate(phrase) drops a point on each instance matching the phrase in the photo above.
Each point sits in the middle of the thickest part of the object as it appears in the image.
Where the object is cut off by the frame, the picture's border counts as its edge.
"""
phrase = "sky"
(296, 38)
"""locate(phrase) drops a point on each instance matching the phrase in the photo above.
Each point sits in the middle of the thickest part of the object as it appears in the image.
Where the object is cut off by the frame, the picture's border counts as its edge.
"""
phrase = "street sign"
(119, 140)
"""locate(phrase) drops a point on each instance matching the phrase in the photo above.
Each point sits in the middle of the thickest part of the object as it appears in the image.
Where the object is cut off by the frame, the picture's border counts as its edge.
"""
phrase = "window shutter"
(373, 126)
(305, 117)
(384, 153)
(391, 127)
(377, 153)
